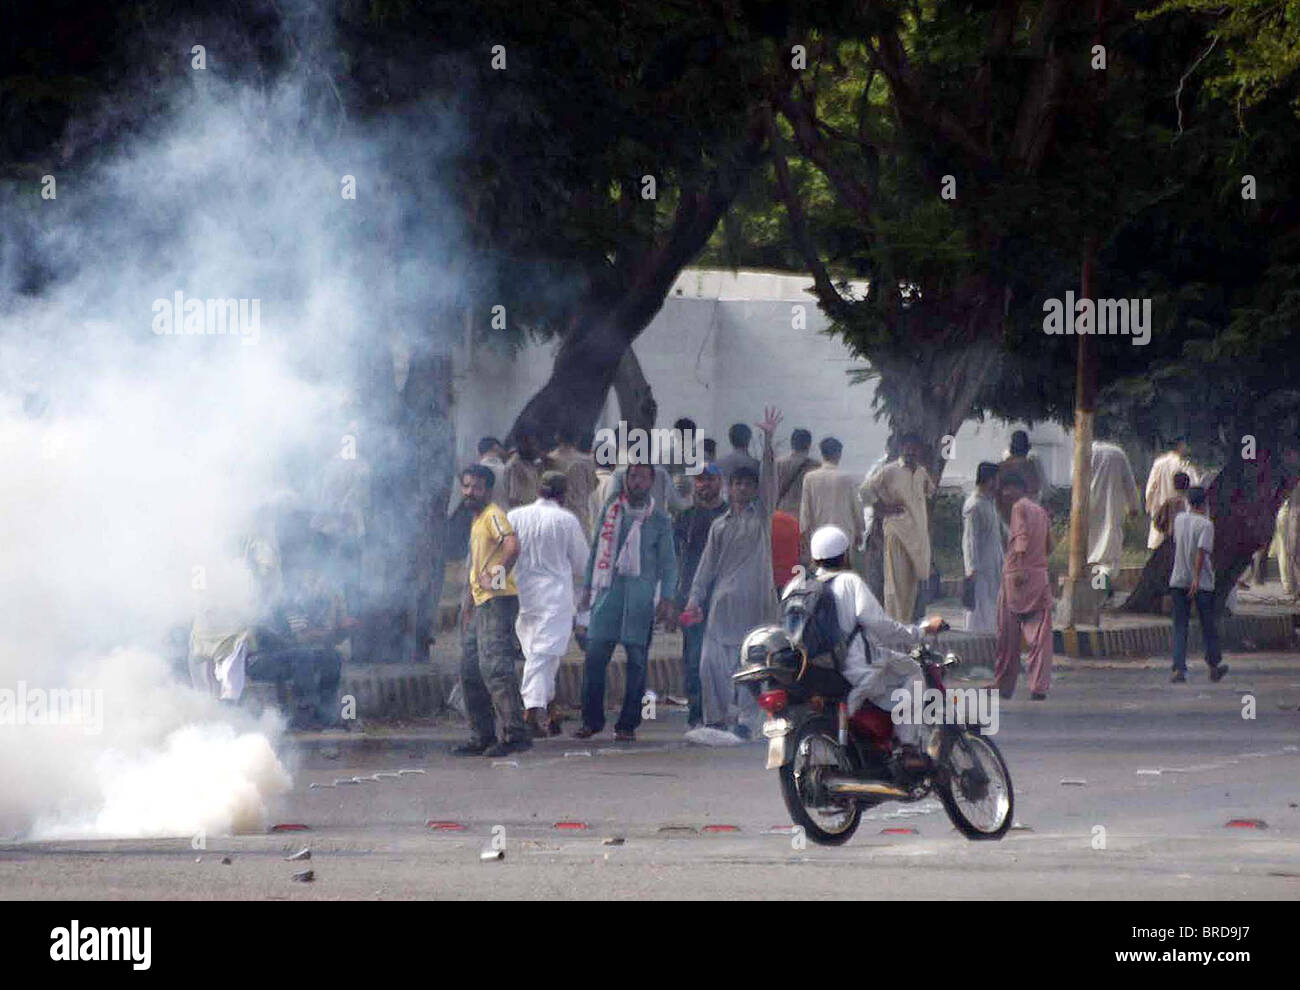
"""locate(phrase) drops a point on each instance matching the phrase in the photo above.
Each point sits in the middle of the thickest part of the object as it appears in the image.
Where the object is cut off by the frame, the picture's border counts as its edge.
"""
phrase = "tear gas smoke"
(137, 460)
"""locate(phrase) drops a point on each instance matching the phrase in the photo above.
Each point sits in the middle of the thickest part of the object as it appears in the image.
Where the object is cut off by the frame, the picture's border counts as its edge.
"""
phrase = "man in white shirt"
(1112, 498)
(874, 680)
(901, 493)
(829, 496)
(1160, 486)
(552, 550)
(1193, 579)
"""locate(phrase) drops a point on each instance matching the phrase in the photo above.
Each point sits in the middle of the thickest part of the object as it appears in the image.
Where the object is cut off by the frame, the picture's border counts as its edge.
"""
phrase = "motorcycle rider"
(889, 667)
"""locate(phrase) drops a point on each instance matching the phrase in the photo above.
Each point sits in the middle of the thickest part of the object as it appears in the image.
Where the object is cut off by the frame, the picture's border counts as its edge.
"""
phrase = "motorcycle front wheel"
(974, 785)
(815, 746)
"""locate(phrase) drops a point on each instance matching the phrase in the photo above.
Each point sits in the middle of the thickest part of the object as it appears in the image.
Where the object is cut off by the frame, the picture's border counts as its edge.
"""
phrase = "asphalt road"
(1105, 723)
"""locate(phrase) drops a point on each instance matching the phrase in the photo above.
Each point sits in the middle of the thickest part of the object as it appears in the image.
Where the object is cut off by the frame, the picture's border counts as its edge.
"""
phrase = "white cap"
(828, 542)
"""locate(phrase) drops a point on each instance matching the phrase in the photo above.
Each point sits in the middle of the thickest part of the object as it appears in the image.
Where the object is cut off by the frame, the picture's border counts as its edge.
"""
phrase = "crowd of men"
(562, 546)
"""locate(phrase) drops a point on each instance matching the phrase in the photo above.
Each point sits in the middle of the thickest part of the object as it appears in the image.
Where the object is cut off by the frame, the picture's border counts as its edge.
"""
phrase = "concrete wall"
(721, 348)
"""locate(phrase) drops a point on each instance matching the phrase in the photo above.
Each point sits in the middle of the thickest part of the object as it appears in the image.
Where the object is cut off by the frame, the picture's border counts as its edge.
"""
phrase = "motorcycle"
(833, 765)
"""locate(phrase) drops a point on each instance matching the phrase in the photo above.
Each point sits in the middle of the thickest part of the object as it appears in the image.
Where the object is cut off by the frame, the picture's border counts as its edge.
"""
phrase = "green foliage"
(1258, 43)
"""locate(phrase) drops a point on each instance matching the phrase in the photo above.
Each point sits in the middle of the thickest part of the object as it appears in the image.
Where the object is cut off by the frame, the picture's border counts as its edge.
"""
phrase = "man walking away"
(631, 558)
(790, 471)
(552, 549)
(1160, 485)
(1193, 580)
(1019, 461)
(873, 524)
(900, 493)
(734, 583)
(1173, 506)
(1113, 497)
(739, 436)
(983, 543)
(691, 533)
(1025, 601)
(523, 471)
(579, 471)
(488, 613)
(829, 496)
(492, 454)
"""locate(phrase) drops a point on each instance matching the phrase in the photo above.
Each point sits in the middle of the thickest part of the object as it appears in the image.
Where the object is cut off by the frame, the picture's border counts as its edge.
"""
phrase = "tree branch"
(835, 305)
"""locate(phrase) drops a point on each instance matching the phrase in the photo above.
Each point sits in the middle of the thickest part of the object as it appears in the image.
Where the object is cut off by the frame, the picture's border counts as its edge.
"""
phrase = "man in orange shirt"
(785, 548)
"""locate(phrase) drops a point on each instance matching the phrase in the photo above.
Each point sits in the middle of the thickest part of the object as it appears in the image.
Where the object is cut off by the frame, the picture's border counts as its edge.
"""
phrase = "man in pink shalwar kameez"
(1025, 599)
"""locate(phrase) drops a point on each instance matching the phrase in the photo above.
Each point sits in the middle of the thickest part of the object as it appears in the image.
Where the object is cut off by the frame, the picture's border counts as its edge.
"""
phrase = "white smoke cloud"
(135, 461)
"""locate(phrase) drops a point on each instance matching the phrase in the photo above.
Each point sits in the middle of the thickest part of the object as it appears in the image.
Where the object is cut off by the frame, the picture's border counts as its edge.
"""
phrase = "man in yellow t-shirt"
(488, 612)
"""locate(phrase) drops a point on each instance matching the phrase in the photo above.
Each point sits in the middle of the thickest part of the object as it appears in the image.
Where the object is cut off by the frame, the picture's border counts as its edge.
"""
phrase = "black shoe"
(584, 732)
(508, 747)
(470, 748)
(1037, 696)
(1180, 677)
(742, 732)
(1217, 672)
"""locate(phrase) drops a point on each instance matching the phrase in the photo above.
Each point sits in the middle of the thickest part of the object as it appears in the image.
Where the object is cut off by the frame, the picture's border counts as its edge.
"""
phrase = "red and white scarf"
(628, 563)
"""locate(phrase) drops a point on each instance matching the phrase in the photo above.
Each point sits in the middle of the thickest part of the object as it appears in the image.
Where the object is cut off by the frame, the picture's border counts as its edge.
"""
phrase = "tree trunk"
(426, 404)
(412, 464)
(583, 373)
(636, 401)
(608, 322)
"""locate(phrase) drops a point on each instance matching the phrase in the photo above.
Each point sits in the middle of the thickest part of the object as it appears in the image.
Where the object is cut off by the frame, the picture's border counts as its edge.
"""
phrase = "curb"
(1253, 631)
(400, 690)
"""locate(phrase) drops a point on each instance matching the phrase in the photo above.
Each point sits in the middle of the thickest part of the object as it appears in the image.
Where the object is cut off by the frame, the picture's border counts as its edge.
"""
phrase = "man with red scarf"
(631, 561)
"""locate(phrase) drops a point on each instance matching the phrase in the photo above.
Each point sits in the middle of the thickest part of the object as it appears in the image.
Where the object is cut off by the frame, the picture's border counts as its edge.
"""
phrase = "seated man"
(888, 668)
(300, 649)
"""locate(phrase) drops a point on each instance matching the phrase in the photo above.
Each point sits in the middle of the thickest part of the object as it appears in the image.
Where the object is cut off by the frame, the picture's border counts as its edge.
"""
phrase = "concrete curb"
(394, 690)
(1268, 632)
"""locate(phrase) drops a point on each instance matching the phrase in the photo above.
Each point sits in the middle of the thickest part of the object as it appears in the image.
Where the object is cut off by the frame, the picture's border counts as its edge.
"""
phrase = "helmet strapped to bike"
(768, 646)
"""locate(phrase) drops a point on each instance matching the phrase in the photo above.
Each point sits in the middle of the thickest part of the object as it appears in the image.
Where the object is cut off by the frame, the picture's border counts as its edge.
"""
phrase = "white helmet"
(828, 542)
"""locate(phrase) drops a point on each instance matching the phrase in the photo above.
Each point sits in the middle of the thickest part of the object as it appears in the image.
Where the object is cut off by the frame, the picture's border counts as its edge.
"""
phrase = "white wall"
(720, 349)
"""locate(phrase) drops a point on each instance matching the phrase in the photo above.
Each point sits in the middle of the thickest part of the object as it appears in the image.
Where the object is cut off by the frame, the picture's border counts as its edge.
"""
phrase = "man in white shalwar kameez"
(900, 493)
(734, 581)
(983, 547)
(552, 550)
(1112, 498)
(1160, 486)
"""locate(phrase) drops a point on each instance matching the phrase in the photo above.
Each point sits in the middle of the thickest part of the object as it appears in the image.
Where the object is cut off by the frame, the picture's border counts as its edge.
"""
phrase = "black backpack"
(809, 617)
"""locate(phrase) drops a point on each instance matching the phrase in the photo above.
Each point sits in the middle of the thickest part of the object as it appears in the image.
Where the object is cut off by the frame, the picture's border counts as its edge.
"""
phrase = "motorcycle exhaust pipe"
(836, 783)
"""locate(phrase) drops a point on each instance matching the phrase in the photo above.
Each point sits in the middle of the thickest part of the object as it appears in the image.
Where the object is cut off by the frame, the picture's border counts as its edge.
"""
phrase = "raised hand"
(771, 420)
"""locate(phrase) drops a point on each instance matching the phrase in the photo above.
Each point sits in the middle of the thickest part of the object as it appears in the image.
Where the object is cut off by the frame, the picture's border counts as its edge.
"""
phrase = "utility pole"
(1080, 602)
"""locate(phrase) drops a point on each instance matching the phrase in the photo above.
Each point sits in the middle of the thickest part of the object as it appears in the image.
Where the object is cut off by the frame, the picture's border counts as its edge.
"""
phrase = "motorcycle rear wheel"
(975, 786)
(815, 745)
